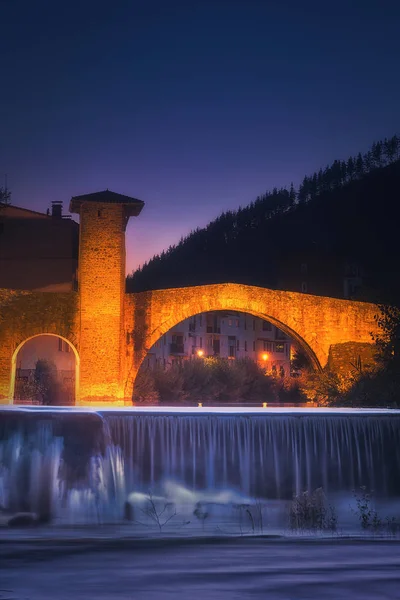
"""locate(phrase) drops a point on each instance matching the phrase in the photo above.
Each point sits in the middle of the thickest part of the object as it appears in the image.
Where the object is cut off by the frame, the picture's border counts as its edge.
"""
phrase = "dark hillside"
(339, 224)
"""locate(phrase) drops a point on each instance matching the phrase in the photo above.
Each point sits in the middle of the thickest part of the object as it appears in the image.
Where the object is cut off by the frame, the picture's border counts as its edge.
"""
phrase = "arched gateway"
(111, 331)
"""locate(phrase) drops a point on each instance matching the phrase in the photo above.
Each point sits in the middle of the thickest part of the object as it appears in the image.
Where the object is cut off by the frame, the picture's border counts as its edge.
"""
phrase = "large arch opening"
(45, 371)
(224, 336)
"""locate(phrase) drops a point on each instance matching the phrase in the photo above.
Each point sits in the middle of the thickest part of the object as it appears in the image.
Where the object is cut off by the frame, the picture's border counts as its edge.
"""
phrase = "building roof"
(133, 205)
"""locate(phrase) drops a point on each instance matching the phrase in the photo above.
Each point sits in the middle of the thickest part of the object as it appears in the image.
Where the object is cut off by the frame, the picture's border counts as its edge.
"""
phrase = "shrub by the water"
(311, 512)
(213, 381)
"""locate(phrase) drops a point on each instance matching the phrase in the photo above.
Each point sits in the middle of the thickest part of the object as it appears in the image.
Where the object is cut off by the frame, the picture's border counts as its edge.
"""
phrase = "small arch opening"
(45, 371)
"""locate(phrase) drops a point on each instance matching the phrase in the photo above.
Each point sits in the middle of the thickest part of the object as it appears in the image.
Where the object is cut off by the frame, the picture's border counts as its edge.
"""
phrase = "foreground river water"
(235, 569)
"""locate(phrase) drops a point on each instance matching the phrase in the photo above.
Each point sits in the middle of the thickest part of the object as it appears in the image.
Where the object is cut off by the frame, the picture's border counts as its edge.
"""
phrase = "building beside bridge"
(228, 335)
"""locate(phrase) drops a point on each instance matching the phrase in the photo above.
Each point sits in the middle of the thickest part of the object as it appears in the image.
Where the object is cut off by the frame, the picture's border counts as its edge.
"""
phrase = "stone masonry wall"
(102, 289)
(26, 314)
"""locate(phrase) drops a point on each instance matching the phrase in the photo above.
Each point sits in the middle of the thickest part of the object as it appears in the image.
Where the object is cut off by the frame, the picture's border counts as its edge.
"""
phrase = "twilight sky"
(194, 106)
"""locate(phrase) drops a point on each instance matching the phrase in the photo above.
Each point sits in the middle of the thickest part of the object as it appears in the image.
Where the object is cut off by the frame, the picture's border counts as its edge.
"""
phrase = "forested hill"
(345, 213)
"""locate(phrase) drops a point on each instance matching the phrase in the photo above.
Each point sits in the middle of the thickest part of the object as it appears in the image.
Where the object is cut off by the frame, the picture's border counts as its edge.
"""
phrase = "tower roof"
(133, 205)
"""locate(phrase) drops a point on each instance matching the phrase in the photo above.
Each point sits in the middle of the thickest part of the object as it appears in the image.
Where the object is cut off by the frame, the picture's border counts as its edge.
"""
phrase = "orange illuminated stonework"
(111, 331)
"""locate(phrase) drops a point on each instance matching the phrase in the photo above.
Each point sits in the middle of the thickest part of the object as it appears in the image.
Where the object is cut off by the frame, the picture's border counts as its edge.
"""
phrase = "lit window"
(279, 347)
(230, 322)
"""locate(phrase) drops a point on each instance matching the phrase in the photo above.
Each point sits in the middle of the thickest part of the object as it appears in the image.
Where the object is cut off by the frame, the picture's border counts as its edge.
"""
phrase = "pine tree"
(359, 165)
(292, 195)
(377, 154)
(351, 168)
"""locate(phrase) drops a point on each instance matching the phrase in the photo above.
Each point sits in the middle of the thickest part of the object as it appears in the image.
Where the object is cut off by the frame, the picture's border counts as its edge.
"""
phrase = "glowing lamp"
(200, 353)
(265, 404)
(265, 357)
(200, 405)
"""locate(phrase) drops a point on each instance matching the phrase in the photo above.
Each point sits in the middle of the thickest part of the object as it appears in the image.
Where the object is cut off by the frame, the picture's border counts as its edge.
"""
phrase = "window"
(201, 342)
(266, 326)
(245, 324)
(60, 344)
(279, 347)
(304, 287)
(67, 347)
(231, 346)
(254, 346)
(267, 346)
(237, 322)
(230, 322)
(201, 320)
(216, 347)
(237, 344)
(245, 346)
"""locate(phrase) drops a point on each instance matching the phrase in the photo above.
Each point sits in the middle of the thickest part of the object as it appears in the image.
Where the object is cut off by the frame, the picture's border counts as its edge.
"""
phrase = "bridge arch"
(172, 322)
(21, 345)
(320, 325)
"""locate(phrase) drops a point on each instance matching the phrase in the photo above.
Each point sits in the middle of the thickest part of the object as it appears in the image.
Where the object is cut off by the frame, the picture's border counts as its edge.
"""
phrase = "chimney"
(56, 210)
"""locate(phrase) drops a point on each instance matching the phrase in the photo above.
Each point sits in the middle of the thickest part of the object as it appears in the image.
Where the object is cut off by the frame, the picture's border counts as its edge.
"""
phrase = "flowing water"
(81, 466)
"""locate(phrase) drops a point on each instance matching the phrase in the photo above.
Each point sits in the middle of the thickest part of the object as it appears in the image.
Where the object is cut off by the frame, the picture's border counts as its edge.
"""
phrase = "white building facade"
(229, 335)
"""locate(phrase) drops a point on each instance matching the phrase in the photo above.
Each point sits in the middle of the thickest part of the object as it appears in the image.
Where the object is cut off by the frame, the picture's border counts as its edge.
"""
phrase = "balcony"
(211, 329)
(175, 348)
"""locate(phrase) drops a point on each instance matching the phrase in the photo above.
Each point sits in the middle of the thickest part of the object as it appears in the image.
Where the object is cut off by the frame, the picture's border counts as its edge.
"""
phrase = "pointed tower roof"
(133, 206)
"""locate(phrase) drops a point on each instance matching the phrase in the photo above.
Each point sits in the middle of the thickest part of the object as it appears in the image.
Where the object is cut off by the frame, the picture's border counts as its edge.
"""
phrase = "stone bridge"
(331, 331)
(110, 331)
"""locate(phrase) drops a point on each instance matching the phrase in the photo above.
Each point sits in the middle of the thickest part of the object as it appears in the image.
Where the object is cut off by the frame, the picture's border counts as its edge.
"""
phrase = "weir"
(81, 466)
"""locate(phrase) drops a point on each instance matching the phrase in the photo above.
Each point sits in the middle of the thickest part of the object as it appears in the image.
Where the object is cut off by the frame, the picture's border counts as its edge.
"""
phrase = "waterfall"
(270, 456)
(79, 467)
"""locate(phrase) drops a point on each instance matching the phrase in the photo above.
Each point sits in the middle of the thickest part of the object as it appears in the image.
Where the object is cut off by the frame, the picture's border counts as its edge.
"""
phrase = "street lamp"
(200, 353)
(265, 358)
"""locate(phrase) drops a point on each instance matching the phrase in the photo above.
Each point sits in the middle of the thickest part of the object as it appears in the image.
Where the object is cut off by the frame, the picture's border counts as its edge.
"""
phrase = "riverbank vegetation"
(214, 381)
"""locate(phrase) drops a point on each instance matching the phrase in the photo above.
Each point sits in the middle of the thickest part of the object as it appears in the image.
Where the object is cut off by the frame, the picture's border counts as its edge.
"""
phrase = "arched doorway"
(45, 371)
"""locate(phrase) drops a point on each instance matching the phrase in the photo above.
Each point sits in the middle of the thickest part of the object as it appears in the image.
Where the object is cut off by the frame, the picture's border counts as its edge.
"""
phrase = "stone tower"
(101, 279)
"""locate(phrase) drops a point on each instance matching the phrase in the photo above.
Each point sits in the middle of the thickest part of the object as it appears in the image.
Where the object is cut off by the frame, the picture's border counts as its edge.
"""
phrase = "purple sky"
(194, 106)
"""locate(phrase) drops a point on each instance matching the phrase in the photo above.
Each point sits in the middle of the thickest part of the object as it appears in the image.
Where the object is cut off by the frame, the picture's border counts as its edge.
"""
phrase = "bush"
(210, 380)
(311, 512)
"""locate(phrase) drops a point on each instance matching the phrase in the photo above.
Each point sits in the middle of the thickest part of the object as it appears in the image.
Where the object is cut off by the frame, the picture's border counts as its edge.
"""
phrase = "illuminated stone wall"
(102, 289)
(26, 314)
(315, 322)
